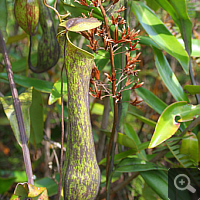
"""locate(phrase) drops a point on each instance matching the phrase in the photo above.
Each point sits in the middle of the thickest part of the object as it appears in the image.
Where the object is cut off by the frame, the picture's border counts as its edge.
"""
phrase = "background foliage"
(169, 68)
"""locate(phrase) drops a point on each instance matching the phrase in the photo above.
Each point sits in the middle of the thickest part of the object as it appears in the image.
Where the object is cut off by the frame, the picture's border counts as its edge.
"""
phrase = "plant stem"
(18, 112)
(104, 124)
(190, 66)
(62, 136)
(108, 166)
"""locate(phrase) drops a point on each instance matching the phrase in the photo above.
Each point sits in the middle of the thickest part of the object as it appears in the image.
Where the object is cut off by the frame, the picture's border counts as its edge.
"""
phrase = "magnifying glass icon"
(182, 182)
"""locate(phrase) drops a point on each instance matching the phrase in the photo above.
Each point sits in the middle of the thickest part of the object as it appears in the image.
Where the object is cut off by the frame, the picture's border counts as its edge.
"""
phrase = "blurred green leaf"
(190, 147)
(101, 59)
(143, 119)
(136, 165)
(132, 134)
(152, 100)
(56, 91)
(49, 184)
(167, 125)
(36, 117)
(178, 11)
(20, 65)
(124, 140)
(6, 184)
(77, 9)
(19, 176)
(158, 181)
(143, 146)
(192, 89)
(195, 47)
(153, 4)
(40, 85)
(168, 76)
(119, 156)
(146, 40)
(159, 33)
(25, 100)
(16, 38)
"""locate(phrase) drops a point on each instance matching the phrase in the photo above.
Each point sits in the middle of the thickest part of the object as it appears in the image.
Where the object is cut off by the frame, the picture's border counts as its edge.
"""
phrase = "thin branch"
(192, 125)
(54, 9)
(62, 126)
(55, 144)
(104, 124)
(190, 65)
(108, 168)
(18, 112)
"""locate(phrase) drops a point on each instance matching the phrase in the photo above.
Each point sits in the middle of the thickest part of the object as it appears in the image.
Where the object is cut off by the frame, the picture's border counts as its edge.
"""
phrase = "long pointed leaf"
(152, 100)
(26, 100)
(160, 34)
(40, 85)
(168, 76)
(178, 12)
(158, 181)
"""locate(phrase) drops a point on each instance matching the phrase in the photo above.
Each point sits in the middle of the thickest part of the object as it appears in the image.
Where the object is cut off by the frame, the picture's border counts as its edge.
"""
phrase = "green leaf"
(160, 34)
(192, 89)
(36, 116)
(167, 124)
(184, 161)
(19, 176)
(20, 65)
(143, 119)
(146, 40)
(3, 21)
(6, 184)
(101, 59)
(124, 140)
(143, 146)
(168, 76)
(119, 156)
(40, 85)
(153, 5)
(190, 148)
(195, 46)
(56, 91)
(152, 100)
(136, 165)
(158, 181)
(77, 9)
(130, 132)
(16, 38)
(49, 184)
(178, 11)
(26, 100)
(80, 24)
